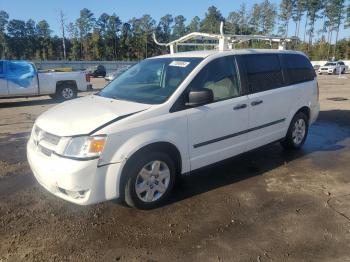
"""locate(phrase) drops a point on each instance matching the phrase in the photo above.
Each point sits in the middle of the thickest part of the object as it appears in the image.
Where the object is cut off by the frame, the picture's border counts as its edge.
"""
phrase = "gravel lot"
(266, 205)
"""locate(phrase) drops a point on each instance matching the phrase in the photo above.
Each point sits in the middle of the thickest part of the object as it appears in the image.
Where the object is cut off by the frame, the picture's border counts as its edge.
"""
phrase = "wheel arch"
(165, 147)
(63, 83)
(306, 110)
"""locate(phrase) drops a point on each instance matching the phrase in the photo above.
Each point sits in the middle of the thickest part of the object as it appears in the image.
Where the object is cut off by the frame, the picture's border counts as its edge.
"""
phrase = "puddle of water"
(326, 136)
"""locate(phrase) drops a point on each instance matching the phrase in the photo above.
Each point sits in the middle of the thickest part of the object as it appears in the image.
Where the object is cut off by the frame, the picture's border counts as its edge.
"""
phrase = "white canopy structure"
(221, 41)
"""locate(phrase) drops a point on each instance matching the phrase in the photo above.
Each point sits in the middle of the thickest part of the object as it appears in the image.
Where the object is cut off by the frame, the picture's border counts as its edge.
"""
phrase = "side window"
(1, 67)
(341, 63)
(220, 75)
(263, 72)
(297, 69)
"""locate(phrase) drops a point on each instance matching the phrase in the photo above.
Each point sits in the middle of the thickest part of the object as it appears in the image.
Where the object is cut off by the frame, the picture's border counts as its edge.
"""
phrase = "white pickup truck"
(333, 67)
(21, 79)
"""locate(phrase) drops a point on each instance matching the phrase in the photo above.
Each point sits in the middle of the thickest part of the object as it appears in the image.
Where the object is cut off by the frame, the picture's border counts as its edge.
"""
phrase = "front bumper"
(325, 71)
(80, 182)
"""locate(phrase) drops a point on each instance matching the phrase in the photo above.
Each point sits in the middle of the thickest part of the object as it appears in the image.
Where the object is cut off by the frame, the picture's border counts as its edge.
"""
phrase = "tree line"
(109, 38)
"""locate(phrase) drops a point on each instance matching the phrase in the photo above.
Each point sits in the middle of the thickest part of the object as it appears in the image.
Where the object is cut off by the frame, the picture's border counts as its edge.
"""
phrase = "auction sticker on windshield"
(179, 63)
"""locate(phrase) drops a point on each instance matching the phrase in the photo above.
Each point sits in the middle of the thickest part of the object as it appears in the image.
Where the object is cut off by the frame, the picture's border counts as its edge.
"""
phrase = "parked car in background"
(333, 67)
(96, 71)
(21, 79)
(170, 115)
(114, 74)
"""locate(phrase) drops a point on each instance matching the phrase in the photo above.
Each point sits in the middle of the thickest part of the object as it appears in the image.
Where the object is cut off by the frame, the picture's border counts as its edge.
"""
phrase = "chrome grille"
(41, 135)
(44, 150)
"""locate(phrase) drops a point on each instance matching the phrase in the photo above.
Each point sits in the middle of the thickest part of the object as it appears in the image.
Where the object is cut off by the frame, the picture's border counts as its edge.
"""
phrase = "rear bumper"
(79, 182)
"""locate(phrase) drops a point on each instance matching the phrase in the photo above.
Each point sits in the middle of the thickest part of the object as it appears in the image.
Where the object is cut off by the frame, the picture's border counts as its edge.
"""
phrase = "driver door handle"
(240, 106)
(256, 102)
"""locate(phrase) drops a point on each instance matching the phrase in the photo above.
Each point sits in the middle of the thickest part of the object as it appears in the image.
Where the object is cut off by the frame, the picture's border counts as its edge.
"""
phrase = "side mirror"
(200, 97)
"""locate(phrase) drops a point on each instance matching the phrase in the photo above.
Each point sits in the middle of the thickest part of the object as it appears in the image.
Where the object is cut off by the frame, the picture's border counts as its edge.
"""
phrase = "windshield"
(330, 64)
(152, 81)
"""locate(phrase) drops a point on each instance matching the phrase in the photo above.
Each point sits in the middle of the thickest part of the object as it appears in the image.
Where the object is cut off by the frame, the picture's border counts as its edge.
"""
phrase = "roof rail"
(221, 41)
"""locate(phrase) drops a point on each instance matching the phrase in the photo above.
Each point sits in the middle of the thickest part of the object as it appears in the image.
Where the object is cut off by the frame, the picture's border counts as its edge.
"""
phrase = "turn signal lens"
(97, 145)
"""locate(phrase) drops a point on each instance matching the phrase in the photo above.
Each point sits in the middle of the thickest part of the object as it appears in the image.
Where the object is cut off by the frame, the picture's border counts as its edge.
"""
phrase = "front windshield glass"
(330, 64)
(152, 81)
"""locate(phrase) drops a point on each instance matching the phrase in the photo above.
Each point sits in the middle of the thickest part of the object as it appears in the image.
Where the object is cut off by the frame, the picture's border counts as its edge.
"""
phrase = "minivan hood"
(83, 115)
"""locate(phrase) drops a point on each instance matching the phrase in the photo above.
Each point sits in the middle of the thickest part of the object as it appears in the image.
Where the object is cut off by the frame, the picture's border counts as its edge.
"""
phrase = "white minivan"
(168, 116)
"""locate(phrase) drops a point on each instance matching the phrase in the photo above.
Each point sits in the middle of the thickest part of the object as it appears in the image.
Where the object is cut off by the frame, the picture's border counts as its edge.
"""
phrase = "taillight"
(87, 77)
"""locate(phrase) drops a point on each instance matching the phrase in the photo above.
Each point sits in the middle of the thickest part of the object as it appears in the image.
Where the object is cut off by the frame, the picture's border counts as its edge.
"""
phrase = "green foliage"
(195, 24)
(109, 38)
(211, 21)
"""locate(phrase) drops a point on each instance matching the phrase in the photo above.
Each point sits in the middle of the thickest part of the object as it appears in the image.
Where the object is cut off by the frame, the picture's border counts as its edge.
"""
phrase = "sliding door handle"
(257, 102)
(240, 106)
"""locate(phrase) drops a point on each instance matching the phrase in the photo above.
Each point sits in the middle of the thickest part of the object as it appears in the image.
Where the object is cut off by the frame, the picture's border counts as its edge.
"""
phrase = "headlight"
(85, 147)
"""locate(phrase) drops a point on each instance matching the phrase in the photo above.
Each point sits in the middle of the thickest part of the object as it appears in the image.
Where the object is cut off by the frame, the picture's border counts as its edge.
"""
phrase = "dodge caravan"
(168, 116)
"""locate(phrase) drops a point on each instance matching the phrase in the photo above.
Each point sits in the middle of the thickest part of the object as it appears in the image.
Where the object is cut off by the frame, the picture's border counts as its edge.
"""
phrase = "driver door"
(217, 130)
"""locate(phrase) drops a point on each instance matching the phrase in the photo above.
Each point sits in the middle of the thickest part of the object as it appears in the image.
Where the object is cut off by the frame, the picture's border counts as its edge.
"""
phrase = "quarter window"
(297, 69)
(263, 72)
(1, 67)
(220, 75)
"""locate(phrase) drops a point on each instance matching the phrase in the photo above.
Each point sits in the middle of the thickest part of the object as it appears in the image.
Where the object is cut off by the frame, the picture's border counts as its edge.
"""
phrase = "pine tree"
(297, 14)
(3, 22)
(179, 28)
(194, 25)
(268, 17)
(286, 11)
(255, 18)
(211, 21)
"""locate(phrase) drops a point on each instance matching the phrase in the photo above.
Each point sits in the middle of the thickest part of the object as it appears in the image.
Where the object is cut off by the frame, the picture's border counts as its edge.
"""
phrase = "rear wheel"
(150, 180)
(66, 93)
(297, 132)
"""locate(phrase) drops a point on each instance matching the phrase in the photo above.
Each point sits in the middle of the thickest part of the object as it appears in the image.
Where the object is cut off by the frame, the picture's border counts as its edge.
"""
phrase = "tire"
(64, 93)
(142, 173)
(297, 132)
(343, 71)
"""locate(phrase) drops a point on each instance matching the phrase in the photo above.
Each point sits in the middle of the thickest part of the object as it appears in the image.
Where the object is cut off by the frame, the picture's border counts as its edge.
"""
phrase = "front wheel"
(150, 180)
(297, 132)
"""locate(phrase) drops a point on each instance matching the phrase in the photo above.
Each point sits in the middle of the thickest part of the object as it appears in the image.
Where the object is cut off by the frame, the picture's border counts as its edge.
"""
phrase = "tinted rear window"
(263, 72)
(297, 69)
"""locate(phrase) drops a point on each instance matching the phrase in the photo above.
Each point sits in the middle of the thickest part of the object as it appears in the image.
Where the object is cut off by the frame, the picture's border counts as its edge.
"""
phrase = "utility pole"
(62, 22)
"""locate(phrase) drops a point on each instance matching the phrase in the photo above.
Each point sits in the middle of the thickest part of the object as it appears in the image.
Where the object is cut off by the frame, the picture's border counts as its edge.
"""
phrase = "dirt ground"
(266, 205)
